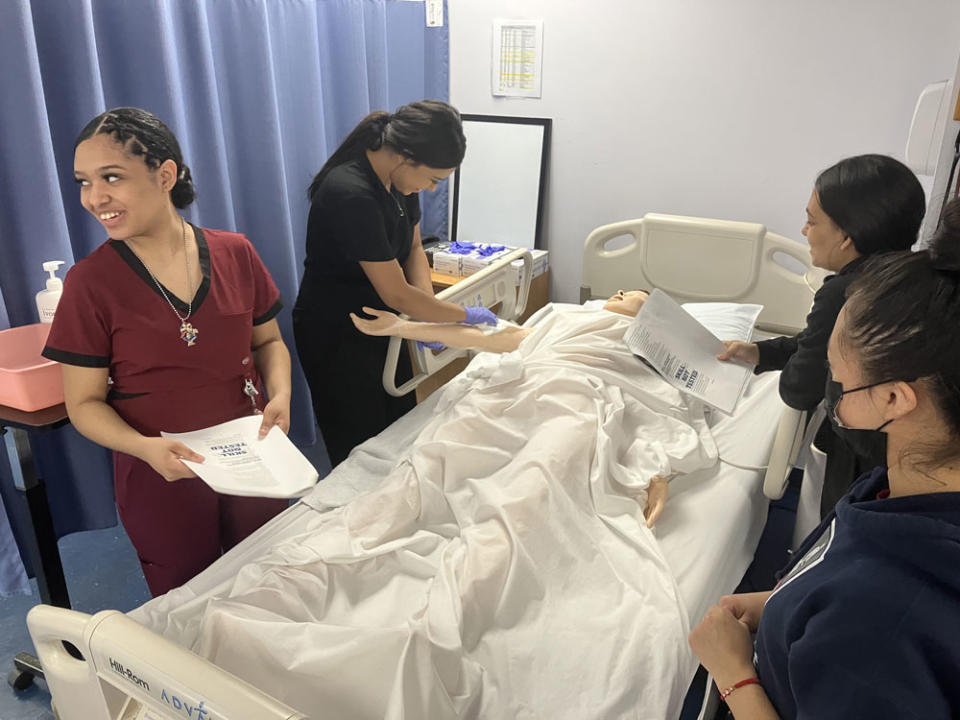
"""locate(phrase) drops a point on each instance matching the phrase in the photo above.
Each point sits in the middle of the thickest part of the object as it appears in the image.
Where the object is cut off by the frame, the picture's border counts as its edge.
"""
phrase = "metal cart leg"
(41, 545)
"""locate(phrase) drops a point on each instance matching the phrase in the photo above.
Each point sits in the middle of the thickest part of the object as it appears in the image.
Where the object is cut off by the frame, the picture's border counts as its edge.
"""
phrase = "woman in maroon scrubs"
(165, 326)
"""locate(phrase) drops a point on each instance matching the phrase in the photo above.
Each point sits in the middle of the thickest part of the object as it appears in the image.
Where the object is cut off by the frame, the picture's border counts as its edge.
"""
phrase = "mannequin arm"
(452, 335)
(656, 499)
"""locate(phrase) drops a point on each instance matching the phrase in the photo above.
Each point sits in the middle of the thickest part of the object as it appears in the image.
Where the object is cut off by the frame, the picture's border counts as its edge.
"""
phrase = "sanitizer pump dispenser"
(47, 299)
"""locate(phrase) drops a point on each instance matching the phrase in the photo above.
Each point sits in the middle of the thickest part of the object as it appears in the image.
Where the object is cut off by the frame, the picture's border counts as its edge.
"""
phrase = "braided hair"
(142, 133)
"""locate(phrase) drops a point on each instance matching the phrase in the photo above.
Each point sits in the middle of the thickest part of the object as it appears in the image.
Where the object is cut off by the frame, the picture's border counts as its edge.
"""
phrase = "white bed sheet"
(707, 533)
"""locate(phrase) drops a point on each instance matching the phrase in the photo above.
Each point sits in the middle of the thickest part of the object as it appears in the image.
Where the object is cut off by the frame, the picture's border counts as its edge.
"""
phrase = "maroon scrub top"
(112, 314)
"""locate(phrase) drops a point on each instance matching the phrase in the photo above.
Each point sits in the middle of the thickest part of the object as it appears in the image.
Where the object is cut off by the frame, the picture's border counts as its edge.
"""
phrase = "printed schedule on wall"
(517, 61)
(685, 353)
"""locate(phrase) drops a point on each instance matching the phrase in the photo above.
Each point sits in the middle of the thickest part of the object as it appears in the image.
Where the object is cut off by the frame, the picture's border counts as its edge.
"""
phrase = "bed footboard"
(108, 667)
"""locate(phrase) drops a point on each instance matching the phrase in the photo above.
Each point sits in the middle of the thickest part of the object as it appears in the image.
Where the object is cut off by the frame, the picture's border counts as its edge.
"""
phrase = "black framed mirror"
(499, 189)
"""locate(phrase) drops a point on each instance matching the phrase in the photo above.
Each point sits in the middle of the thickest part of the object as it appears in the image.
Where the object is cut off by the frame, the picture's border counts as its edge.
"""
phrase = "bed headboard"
(703, 260)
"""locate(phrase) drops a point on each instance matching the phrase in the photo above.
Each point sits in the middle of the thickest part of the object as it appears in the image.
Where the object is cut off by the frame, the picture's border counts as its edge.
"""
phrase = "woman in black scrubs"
(364, 249)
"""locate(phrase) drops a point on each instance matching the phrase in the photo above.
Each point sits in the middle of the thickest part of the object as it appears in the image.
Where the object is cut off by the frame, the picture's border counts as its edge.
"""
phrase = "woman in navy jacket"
(865, 621)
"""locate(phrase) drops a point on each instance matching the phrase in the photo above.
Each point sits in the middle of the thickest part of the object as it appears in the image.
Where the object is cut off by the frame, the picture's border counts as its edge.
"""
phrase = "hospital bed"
(113, 666)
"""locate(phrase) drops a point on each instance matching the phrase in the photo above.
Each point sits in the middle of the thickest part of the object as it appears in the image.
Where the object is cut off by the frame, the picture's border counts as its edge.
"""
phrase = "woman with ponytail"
(364, 250)
(865, 621)
(165, 327)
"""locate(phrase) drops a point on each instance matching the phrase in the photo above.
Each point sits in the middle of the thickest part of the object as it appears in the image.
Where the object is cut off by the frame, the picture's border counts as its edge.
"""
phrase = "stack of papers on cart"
(685, 353)
(238, 462)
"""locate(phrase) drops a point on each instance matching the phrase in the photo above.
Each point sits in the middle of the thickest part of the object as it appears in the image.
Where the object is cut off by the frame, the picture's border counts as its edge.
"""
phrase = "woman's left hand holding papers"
(276, 413)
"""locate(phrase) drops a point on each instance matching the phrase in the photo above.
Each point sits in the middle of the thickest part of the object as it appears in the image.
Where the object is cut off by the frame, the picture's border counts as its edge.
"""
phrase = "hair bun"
(183, 193)
(945, 246)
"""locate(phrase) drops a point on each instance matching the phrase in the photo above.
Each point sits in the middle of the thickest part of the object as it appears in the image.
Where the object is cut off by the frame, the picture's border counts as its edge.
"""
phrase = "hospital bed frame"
(493, 285)
(678, 255)
(108, 667)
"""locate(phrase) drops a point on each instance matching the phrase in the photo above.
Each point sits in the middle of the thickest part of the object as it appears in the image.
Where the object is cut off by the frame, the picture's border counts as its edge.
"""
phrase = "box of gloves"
(541, 263)
(461, 259)
(446, 262)
(482, 256)
(465, 258)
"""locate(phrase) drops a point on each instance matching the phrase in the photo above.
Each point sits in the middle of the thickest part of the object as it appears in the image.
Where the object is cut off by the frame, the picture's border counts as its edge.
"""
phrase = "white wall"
(717, 108)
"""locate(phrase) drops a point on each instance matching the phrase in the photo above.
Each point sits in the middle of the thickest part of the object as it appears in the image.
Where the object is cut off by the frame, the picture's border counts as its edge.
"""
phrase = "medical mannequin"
(504, 340)
(864, 621)
(363, 248)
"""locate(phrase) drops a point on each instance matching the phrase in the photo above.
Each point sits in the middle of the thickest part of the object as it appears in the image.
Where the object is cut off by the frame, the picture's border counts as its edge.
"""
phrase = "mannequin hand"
(656, 499)
(736, 350)
(383, 322)
(477, 315)
(276, 412)
(164, 454)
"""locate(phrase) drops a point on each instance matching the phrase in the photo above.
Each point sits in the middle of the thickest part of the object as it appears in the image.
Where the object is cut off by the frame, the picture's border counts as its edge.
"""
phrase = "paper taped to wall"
(685, 353)
(517, 64)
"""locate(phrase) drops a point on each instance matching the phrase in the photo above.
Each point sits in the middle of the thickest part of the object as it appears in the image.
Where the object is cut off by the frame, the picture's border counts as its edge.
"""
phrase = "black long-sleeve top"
(803, 358)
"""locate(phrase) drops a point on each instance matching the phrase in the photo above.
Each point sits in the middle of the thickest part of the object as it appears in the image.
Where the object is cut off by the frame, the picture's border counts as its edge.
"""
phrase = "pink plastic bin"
(28, 381)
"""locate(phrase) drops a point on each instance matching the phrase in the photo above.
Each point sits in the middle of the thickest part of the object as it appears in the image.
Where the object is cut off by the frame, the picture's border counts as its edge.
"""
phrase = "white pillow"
(728, 321)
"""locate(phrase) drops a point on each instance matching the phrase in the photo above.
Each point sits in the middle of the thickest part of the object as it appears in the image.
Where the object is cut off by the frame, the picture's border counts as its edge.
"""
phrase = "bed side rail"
(108, 667)
(786, 449)
(494, 284)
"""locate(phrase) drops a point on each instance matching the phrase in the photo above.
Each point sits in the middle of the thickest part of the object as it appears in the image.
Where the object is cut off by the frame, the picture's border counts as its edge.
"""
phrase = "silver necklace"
(188, 333)
(396, 202)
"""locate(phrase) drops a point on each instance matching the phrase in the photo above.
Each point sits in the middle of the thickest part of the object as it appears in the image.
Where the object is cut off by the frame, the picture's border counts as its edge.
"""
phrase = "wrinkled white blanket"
(501, 570)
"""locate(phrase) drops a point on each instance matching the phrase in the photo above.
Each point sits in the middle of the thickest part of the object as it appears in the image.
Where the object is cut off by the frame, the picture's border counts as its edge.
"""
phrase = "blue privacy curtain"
(259, 93)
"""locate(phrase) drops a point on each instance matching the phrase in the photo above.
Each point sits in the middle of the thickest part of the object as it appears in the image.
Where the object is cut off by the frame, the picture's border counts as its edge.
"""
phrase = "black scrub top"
(353, 218)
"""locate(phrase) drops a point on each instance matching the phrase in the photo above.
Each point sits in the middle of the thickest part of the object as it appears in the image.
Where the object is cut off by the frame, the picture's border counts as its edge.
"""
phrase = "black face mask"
(864, 442)
(833, 394)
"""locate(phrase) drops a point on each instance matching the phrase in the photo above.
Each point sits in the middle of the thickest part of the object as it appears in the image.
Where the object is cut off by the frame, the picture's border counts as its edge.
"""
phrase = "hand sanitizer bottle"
(47, 299)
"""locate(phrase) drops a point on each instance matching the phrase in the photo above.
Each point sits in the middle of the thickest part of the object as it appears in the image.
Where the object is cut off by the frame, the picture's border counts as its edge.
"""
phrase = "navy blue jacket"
(865, 622)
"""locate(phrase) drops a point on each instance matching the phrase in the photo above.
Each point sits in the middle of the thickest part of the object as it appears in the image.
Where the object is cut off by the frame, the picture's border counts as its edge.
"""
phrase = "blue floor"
(102, 572)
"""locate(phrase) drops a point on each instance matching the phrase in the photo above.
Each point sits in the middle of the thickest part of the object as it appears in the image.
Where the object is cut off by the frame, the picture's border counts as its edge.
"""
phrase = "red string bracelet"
(736, 686)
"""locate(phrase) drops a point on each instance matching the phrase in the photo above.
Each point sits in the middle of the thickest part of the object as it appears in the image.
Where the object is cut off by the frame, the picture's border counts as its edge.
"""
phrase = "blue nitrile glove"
(477, 315)
(438, 346)
(461, 248)
(491, 250)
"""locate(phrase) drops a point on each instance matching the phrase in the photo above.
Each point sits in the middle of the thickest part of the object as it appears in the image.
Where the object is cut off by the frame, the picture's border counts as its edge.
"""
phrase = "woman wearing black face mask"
(874, 591)
(862, 206)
